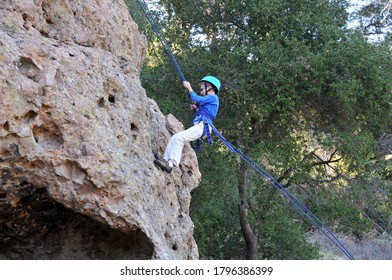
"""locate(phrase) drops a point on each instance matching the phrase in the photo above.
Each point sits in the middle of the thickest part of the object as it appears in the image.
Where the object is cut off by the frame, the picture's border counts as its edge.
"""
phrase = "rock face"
(77, 136)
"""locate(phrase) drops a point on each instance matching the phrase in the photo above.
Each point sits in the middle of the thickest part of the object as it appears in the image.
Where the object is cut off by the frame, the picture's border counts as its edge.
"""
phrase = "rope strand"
(160, 36)
(264, 174)
(288, 195)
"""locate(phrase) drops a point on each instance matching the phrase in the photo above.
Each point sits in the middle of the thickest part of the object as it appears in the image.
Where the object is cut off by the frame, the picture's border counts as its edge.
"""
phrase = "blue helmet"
(212, 80)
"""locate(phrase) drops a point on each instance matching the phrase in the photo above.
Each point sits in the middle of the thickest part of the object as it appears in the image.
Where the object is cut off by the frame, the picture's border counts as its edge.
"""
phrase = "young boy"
(207, 105)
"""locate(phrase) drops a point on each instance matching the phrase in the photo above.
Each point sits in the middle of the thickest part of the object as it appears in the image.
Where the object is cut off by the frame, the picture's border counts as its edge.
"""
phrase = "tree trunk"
(250, 232)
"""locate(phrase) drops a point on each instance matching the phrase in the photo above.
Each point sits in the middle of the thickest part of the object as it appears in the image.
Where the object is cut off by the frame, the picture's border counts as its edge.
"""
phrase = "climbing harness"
(264, 174)
(206, 132)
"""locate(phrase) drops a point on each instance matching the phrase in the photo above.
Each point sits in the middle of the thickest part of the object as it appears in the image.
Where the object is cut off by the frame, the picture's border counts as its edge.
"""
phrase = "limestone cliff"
(77, 136)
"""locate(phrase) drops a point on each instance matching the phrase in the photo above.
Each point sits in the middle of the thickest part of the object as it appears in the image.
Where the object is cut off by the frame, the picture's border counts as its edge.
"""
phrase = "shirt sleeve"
(202, 99)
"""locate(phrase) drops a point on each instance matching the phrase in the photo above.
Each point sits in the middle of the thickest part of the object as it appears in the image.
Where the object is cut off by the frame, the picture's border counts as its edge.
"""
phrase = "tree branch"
(325, 162)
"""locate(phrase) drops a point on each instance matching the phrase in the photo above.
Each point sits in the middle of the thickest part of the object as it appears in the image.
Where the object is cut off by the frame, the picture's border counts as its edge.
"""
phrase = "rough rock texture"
(77, 136)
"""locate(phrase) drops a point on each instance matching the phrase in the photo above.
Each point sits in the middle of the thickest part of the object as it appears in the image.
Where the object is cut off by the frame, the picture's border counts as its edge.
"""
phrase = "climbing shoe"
(164, 165)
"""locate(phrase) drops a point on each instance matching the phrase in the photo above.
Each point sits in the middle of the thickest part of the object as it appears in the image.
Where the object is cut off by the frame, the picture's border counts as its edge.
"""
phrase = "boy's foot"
(164, 165)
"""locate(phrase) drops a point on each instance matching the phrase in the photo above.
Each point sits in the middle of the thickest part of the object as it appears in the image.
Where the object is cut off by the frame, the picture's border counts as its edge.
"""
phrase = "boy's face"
(206, 89)
(203, 89)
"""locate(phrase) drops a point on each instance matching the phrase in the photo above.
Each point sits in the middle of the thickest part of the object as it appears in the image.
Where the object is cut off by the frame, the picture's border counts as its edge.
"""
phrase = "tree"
(375, 19)
(303, 95)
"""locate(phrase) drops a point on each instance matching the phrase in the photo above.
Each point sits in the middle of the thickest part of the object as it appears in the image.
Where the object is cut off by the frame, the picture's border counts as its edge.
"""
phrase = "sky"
(355, 6)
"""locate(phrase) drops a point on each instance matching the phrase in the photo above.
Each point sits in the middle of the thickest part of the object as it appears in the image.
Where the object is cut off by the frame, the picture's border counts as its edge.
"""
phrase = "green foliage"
(351, 218)
(363, 143)
(296, 83)
(281, 237)
(214, 207)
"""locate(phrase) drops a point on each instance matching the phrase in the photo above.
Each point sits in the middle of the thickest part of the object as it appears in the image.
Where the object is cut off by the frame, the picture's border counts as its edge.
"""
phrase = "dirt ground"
(371, 247)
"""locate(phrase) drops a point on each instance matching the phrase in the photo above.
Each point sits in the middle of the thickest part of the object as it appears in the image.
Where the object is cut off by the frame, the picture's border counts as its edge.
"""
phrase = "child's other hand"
(193, 107)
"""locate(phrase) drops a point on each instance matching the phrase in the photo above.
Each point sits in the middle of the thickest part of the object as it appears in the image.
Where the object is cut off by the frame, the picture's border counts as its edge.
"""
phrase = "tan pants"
(176, 144)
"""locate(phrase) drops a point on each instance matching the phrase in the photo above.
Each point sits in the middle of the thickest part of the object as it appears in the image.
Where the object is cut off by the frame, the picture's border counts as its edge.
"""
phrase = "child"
(206, 111)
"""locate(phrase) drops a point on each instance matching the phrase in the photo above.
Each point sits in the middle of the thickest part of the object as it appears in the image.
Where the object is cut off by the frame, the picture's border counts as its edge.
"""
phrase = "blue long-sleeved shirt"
(208, 106)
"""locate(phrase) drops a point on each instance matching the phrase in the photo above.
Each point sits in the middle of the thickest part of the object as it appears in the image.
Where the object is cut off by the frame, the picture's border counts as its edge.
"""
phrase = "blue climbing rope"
(158, 32)
(261, 171)
(289, 196)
